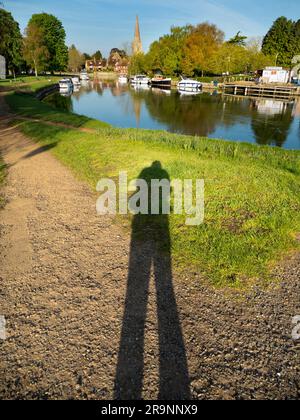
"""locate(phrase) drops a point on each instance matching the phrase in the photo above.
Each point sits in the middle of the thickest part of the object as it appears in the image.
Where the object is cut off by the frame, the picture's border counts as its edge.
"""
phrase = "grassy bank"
(28, 83)
(252, 193)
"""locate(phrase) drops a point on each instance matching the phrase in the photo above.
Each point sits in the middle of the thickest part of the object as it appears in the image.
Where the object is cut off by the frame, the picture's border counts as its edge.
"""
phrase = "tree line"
(191, 50)
(42, 48)
(202, 50)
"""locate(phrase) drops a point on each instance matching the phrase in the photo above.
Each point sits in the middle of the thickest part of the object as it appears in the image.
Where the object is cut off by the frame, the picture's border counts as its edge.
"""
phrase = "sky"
(104, 24)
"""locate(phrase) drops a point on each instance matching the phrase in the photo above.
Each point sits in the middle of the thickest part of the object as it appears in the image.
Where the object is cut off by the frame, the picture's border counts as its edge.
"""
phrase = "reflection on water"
(261, 121)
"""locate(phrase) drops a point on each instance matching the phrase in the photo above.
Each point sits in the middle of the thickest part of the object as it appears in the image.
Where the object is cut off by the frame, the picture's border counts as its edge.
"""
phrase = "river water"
(261, 121)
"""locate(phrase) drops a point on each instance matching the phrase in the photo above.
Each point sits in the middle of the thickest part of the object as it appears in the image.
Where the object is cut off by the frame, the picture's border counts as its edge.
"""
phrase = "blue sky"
(104, 24)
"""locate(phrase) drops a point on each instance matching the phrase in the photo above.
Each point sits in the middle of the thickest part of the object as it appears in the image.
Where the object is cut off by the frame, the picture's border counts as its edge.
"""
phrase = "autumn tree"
(199, 48)
(54, 39)
(35, 51)
(76, 59)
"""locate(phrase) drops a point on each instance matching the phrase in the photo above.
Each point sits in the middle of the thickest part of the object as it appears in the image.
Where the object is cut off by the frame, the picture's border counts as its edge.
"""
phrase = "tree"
(116, 56)
(10, 40)
(54, 39)
(35, 52)
(280, 41)
(127, 48)
(229, 58)
(76, 59)
(166, 54)
(87, 56)
(138, 64)
(199, 48)
(297, 37)
(257, 60)
(238, 39)
(97, 56)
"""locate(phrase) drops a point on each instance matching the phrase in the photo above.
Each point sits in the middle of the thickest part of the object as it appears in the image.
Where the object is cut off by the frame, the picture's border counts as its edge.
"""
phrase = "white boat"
(84, 75)
(76, 81)
(123, 79)
(65, 84)
(140, 79)
(189, 85)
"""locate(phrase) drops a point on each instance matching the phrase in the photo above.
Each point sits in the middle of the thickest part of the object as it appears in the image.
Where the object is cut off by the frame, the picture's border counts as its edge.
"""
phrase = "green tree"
(297, 37)
(87, 56)
(97, 55)
(229, 58)
(257, 60)
(166, 54)
(54, 38)
(76, 59)
(10, 40)
(238, 39)
(137, 64)
(35, 52)
(280, 41)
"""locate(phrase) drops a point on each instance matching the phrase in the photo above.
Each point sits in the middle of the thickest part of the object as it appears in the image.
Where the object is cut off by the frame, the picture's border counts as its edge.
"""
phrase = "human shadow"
(151, 249)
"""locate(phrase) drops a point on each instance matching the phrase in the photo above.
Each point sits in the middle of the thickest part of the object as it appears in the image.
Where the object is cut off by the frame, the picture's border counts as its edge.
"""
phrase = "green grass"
(28, 83)
(252, 193)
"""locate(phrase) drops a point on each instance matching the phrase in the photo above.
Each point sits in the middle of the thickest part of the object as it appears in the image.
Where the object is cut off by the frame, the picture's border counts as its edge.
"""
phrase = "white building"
(275, 75)
(2, 67)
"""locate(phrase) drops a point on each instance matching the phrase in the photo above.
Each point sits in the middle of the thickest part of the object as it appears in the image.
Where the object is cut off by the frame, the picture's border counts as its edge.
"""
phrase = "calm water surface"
(261, 121)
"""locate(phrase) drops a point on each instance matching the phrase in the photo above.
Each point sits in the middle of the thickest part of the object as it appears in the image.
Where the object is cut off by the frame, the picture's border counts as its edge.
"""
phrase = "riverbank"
(252, 200)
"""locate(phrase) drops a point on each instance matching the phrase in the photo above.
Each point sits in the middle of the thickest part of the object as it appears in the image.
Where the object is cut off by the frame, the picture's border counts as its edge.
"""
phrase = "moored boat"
(76, 81)
(65, 84)
(189, 85)
(84, 75)
(123, 79)
(140, 79)
(161, 82)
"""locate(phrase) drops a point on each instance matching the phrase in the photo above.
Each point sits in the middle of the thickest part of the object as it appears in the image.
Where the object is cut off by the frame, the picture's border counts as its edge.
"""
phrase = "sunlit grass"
(252, 199)
(28, 83)
(252, 208)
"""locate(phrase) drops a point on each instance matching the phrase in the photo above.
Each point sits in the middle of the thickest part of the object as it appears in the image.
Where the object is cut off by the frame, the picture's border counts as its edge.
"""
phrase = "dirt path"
(63, 283)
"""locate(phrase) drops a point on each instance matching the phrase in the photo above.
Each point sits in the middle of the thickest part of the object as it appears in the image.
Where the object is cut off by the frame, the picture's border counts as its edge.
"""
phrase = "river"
(261, 121)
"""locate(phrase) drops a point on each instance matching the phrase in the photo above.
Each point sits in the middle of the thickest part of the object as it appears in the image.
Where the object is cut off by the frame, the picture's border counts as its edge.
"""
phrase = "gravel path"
(75, 328)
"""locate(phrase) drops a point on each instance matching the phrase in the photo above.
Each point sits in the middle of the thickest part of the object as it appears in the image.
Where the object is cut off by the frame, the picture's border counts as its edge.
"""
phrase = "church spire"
(137, 42)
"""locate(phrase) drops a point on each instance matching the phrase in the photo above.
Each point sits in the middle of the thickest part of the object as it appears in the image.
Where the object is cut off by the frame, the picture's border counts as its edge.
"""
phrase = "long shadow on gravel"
(151, 247)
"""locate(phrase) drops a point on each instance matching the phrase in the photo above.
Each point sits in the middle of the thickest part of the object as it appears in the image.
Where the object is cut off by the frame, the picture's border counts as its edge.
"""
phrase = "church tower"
(137, 42)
